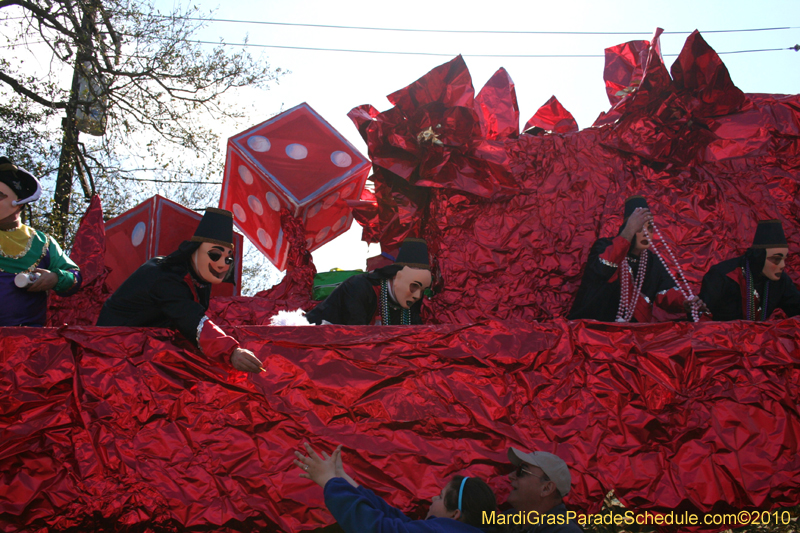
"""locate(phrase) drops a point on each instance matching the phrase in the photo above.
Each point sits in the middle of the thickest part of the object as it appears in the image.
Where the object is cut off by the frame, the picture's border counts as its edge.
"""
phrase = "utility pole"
(69, 143)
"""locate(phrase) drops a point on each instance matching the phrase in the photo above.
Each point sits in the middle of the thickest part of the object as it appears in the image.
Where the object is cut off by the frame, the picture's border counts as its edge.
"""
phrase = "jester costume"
(24, 249)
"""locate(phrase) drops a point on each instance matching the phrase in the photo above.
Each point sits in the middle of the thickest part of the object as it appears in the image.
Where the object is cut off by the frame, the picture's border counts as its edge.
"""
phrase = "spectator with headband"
(539, 483)
(458, 509)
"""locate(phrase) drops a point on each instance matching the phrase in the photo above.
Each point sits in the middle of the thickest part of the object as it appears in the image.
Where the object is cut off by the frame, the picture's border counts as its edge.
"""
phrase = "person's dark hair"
(477, 498)
(183, 257)
(756, 257)
(387, 272)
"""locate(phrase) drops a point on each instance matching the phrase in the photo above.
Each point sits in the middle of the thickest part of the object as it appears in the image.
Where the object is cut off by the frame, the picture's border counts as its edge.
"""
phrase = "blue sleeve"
(380, 504)
(359, 510)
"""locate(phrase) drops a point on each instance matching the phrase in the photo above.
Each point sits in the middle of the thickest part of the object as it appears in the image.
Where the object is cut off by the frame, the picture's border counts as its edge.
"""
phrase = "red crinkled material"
(553, 117)
(83, 307)
(431, 136)
(293, 292)
(497, 108)
(710, 160)
(129, 429)
(123, 429)
(623, 70)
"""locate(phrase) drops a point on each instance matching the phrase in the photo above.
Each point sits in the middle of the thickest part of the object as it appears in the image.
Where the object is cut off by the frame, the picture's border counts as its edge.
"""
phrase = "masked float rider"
(174, 292)
(25, 251)
(752, 286)
(391, 295)
(647, 282)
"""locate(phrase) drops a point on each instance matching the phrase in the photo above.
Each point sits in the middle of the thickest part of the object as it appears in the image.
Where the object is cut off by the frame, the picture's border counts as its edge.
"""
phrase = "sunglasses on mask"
(215, 256)
(776, 259)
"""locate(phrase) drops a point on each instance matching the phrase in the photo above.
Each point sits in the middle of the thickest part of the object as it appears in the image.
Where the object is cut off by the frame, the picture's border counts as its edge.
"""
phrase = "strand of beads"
(405, 314)
(684, 289)
(624, 272)
(752, 310)
(751, 303)
(627, 300)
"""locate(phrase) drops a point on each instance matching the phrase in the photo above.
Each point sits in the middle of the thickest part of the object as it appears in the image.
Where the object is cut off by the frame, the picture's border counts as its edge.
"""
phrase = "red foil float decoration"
(127, 429)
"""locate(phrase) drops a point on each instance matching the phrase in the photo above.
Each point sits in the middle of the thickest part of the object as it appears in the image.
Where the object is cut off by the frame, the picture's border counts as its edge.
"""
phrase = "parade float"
(122, 429)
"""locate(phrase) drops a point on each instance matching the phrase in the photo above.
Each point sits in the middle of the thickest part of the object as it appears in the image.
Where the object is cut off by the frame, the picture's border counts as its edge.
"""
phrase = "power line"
(425, 30)
(502, 32)
(453, 55)
(436, 54)
(254, 45)
(520, 32)
(154, 180)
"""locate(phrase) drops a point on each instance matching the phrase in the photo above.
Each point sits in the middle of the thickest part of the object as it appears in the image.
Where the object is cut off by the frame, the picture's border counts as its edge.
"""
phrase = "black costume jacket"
(355, 302)
(599, 293)
(159, 295)
(724, 291)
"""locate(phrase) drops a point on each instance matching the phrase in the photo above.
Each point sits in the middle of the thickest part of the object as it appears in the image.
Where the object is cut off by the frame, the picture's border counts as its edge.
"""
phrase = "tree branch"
(18, 88)
(38, 13)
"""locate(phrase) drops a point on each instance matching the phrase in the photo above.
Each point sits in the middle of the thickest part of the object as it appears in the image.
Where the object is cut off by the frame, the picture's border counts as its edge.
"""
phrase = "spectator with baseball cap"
(539, 483)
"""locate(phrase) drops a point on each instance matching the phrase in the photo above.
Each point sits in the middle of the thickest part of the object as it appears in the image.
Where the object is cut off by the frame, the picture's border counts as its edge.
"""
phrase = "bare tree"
(128, 74)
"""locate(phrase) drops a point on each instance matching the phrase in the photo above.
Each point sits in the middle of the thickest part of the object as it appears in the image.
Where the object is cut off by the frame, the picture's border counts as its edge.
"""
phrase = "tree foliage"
(137, 79)
(124, 65)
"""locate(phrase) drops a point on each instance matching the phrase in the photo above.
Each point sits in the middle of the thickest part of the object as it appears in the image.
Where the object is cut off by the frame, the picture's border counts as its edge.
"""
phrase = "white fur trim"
(200, 327)
(289, 318)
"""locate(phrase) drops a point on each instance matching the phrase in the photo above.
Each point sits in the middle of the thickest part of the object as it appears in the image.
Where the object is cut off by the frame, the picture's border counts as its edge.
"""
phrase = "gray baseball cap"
(552, 465)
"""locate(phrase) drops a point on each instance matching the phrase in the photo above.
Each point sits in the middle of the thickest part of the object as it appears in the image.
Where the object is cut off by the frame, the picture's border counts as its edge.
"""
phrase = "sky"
(335, 82)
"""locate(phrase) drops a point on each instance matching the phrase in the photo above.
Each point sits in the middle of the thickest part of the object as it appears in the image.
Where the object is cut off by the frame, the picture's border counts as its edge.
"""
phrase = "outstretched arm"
(356, 508)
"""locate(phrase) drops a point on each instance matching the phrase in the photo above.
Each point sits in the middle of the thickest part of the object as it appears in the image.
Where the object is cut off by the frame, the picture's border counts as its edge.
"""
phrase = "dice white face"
(341, 159)
(138, 234)
(259, 143)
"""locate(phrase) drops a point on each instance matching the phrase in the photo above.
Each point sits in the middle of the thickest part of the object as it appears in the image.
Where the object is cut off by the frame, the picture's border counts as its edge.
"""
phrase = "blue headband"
(461, 492)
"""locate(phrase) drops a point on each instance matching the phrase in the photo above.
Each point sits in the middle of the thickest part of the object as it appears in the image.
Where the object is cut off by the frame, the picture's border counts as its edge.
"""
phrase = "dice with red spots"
(296, 161)
(157, 226)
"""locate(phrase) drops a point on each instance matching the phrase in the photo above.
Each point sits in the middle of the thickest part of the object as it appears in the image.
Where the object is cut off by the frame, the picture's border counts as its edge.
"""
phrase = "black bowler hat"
(769, 234)
(632, 203)
(216, 226)
(414, 253)
(23, 183)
